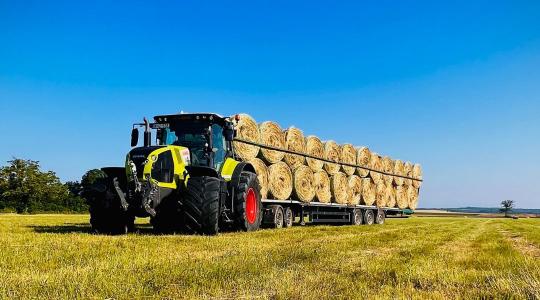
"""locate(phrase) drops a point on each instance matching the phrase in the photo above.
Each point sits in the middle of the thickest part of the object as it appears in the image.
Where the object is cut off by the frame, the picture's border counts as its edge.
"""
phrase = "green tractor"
(189, 181)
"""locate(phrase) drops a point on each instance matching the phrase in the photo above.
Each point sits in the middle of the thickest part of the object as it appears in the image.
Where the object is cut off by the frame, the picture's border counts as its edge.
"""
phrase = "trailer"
(286, 213)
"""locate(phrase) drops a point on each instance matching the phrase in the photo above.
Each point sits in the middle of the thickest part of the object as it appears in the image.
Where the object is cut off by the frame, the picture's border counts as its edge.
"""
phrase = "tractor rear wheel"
(200, 206)
(247, 203)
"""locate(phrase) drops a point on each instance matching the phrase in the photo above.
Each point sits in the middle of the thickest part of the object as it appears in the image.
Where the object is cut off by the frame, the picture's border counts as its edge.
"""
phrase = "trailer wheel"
(288, 217)
(278, 217)
(247, 203)
(356, 217)
(200, 209)
(380, 217)
(369, 217)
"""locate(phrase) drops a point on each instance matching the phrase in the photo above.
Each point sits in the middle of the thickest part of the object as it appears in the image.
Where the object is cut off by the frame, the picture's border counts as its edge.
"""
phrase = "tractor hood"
(139, 157)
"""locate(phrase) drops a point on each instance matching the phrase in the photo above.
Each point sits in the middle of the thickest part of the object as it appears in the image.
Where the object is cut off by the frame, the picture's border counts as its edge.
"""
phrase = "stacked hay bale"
(336, 173)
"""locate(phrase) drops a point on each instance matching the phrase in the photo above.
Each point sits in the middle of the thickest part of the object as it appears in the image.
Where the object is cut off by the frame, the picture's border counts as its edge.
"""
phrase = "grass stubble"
(55, 256)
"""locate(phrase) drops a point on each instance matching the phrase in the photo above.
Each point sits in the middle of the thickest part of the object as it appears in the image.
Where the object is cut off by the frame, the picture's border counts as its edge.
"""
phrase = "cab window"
(218, 143)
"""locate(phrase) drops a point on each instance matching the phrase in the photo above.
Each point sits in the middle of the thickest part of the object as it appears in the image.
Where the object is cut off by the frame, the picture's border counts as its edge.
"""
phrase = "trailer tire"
(380, 217)
(288, 217)
(200, 206)
(247, 203)
(369, 217)
(276, 216)
(356, 217)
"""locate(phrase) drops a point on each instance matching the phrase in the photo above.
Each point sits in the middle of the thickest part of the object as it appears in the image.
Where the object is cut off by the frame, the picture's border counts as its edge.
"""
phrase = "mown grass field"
(55, 256)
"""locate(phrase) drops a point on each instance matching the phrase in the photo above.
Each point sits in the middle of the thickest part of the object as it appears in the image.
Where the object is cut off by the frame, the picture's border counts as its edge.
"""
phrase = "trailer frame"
(324, 213)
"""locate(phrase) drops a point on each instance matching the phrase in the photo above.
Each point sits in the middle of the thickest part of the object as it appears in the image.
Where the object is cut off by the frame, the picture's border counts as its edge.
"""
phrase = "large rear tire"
(247, 203)
(200, 206)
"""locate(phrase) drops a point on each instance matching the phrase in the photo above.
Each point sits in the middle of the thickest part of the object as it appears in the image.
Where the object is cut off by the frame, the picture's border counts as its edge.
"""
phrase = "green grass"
(54, 256)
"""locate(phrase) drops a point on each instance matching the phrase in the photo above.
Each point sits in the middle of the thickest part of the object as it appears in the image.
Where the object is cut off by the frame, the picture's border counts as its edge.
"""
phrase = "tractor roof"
(191, 116)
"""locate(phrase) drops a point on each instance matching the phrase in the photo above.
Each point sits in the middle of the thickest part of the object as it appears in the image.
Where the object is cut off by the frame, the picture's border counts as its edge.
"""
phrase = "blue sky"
(453, 86)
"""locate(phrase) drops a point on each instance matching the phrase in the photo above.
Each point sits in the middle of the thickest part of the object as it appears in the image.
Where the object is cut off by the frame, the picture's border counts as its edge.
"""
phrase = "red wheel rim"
(251, 206)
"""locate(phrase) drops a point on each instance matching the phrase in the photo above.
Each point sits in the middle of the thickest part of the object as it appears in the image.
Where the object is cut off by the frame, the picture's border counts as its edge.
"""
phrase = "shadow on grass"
(83, 228)
(63, 228)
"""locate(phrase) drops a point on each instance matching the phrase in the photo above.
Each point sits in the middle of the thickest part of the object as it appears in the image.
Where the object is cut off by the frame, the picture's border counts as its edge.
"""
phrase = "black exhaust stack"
(147, 133)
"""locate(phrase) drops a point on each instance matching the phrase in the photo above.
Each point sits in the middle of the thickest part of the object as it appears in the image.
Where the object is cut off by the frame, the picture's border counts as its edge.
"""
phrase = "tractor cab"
(207, 136)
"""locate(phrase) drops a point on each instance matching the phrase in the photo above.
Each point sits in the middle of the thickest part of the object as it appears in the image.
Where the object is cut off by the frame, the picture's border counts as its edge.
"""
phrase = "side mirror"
(134, 137)
(229, 135)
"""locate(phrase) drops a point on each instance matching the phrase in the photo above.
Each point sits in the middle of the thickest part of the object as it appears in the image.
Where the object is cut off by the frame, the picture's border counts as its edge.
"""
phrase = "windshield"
(194, 136)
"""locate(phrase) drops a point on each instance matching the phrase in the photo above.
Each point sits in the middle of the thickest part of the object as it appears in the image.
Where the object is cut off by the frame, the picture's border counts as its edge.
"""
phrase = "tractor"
(188, 181)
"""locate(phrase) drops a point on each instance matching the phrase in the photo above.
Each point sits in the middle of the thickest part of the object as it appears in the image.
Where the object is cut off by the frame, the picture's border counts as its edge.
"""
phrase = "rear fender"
(241, 167)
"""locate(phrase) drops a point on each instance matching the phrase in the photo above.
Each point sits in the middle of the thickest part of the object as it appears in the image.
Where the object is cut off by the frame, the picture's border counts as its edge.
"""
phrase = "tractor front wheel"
(107, 216)
(200, 206)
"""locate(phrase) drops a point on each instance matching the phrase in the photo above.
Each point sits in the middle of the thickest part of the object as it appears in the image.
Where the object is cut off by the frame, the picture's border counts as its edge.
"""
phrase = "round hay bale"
(294, 141)
(407, 171)
(332, 152)
(377, 166)
(322, 187)
(401, 196)
(247, 129)
(380, 195)
(304, 184)
(398, 170)
(262, 175)
(348, 156)
(280, 183)
(388, 167)
(340, 188)
(368, 191)
(314, 147)
(272, 135)
(417, 173)
(412, 195)
(390, 196)
(355, 188)
(363, 159)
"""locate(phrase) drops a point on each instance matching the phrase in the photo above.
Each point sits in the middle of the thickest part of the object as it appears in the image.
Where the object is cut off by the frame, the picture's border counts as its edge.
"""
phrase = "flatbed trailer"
(284, 213)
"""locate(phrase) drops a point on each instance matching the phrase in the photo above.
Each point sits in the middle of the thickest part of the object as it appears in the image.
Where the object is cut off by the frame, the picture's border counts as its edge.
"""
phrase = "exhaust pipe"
(147, 133)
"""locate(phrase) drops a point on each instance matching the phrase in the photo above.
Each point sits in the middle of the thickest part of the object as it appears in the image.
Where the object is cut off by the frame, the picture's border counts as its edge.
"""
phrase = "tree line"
(25, 188)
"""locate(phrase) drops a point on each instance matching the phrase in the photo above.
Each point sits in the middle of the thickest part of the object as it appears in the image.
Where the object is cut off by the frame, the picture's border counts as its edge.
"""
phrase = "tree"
(90, 177)
(74, 201)
(25, 188)
(506, 207)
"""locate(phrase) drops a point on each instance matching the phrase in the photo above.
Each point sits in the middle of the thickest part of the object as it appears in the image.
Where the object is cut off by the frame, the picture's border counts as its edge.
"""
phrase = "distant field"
(54, 256)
